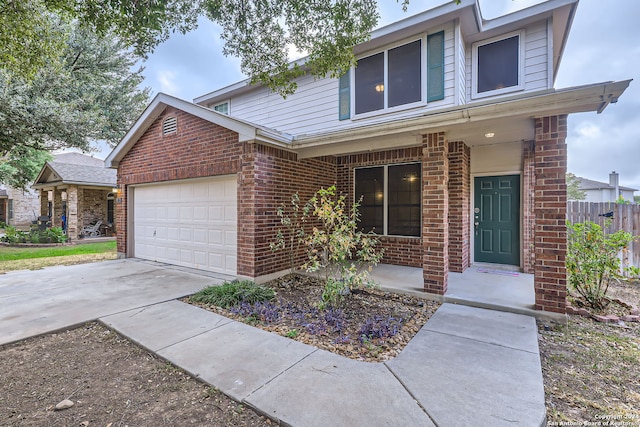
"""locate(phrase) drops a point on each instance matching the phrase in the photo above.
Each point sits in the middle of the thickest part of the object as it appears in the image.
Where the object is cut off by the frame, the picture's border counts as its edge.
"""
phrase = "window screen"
(405, 74)
(404, 200)
(498, 64)
(370, 84)
(370, 187)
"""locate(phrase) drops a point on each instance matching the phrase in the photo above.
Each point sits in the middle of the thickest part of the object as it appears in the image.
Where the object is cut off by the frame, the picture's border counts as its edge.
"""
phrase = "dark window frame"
(392, 201)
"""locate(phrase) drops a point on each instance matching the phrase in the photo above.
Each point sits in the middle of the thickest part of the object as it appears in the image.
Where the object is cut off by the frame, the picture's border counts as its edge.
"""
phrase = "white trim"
(550, 64)
(474, 65)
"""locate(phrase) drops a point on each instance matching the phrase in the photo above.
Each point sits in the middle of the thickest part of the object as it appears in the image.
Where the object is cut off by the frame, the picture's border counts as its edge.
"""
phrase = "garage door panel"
(188, 223)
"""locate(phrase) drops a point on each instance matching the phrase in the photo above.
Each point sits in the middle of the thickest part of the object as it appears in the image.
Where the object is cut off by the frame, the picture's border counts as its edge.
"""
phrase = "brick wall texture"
(269, 176)
(550, 276)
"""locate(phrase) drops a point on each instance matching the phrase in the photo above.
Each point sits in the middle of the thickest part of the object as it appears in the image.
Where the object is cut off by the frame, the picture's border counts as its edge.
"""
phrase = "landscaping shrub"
(49, 235)
(338, 248)
(592, 261)
(379, 327)
(233, 293)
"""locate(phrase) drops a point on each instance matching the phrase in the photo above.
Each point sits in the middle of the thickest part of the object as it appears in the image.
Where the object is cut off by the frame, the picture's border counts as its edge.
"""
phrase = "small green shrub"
(592, 261)
(230, 294)
(49, 235)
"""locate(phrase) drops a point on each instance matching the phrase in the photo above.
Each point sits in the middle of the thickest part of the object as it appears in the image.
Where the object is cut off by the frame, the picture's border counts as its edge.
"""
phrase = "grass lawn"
(32, 258)
(10, 253)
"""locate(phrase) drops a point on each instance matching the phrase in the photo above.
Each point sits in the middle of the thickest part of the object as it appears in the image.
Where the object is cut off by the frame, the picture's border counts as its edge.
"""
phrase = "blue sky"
(604, 45)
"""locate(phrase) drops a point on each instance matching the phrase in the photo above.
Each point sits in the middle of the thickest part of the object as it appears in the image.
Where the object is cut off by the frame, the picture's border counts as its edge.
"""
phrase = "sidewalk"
(466, 367)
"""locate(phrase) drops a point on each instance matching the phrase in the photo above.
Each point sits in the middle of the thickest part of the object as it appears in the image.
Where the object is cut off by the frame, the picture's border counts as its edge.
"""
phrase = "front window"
(391, 199)
(389, 79)
(497, 66)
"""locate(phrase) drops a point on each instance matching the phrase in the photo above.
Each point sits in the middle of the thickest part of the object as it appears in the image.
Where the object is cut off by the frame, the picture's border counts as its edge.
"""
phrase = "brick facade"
(550, 276)
(197, 149)
(528, 205)
(405, 251)
(435, 212)
(459, 203)
(269, 178)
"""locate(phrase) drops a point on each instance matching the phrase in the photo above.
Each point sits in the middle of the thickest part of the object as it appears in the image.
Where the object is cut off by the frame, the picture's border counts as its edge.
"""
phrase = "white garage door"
(188, 223)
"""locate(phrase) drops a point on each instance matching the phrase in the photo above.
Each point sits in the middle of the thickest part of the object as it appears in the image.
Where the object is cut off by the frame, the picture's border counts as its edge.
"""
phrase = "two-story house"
(449, 128)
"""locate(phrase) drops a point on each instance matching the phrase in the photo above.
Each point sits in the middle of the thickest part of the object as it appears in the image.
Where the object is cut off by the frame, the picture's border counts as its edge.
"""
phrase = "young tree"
(573, 188)
(88, 93)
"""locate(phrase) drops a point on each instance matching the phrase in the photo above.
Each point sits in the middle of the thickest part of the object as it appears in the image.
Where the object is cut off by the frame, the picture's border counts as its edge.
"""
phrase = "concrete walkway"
(466, 367)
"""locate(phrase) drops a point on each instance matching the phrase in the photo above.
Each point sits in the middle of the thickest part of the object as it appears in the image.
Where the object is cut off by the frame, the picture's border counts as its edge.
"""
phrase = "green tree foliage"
(21, 166)
(592, 261)
(260, 32)
(88, 93)
(573, 188)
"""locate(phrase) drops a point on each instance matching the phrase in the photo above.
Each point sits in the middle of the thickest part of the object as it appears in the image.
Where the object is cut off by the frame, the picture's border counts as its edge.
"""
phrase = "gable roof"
(77, 169)
(589, 184)
(246, 131)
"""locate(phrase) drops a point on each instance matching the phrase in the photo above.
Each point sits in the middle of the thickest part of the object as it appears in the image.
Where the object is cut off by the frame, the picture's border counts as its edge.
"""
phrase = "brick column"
(459, 193)
(528, 200)
(435, 212)
(73, 220)
(121, 218)
(56, 211)
(44, 202)
(246, 212)
(550, 210)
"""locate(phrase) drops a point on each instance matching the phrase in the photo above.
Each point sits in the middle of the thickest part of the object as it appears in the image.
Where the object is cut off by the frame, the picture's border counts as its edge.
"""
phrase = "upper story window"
(222, 108)
(397, 76)
(498, 66)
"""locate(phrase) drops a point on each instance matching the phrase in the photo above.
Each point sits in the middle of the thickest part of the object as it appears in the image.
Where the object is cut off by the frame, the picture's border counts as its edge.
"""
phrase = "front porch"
(481, 285)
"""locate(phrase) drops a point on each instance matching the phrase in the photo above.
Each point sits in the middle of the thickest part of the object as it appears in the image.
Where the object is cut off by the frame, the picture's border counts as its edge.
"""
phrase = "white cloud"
(588, 130)
(166, 79)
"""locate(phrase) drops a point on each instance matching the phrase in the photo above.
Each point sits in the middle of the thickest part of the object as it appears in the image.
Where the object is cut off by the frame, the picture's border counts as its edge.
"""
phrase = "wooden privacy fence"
(624, 217)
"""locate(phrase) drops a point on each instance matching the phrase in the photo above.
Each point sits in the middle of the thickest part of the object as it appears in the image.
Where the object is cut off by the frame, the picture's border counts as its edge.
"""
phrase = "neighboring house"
(80, 187)
(596, 191)
(449, 129)
(18, 208)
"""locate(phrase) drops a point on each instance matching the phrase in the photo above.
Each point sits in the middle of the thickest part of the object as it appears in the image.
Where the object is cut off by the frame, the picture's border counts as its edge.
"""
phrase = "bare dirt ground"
(592, 370)
(111, 381)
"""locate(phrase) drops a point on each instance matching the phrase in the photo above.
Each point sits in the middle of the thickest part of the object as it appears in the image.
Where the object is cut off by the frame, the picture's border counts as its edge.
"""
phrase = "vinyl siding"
(314, 106)
(536, 66)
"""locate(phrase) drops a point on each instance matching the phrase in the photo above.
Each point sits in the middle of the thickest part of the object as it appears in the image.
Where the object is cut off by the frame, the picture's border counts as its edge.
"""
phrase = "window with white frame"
(498, 65)
(390, 199)
(222, 108)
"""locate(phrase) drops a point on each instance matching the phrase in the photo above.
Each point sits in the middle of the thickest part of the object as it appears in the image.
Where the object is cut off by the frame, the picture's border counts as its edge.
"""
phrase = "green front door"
(496, 219)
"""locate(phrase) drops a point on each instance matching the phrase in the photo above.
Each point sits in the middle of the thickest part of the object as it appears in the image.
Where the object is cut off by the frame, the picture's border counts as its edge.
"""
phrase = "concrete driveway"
(42, 301)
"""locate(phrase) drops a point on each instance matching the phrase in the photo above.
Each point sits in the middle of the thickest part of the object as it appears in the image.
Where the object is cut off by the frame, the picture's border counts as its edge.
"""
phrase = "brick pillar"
(121, 203)
(246, 212)
(550, 210)
(459, 193)
(44, 202)
(528, 204)
(435, 212)
(73, 220)
(56, 214)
